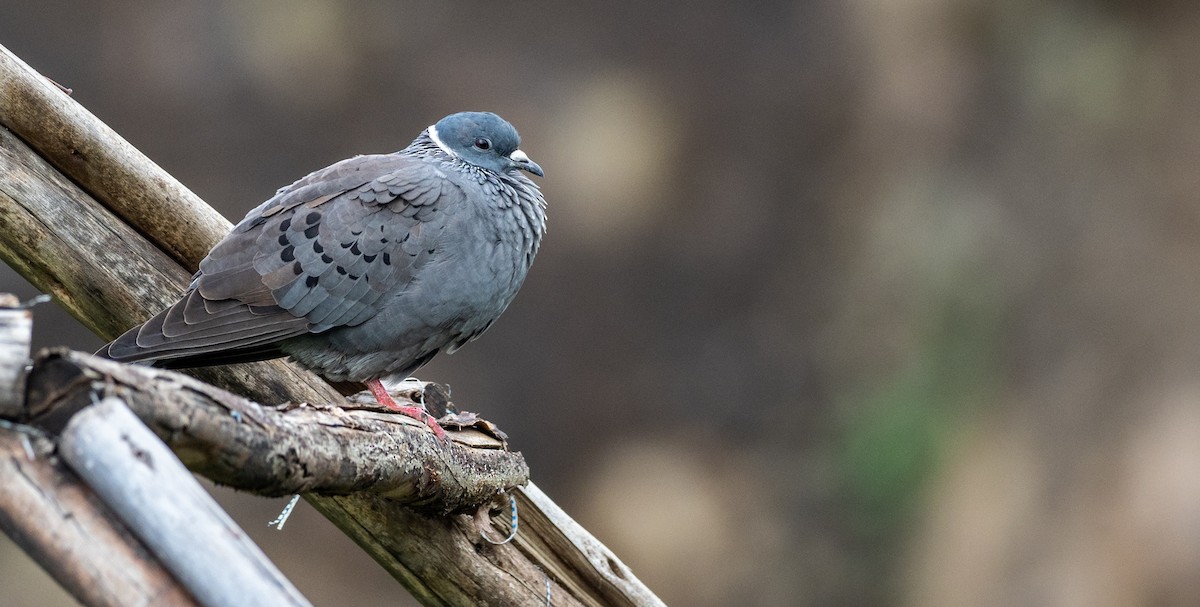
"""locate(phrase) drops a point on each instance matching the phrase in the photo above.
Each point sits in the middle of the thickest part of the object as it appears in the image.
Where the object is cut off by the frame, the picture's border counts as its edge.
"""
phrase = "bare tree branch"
(16, 329)
(142, 481)
(54, 517)
(65, 527)
(276, 451)
(102, 163)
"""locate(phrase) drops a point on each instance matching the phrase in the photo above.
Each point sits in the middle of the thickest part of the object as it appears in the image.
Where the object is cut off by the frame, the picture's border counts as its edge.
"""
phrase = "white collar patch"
(433, 135)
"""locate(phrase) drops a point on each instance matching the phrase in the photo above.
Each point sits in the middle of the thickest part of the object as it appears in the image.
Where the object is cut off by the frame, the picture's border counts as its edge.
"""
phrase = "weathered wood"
(280, 450)
(159, 500)
(51, 515)
(94, 156)
(501, 575)
(573, 556)
(48, 221)
(62, 258)
(15, 330)
(58, 521)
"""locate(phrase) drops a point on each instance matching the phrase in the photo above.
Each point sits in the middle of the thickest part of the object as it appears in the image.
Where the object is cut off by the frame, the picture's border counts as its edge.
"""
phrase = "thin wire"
(513, 503)
(547, 585)
(283, 516)
(24, 431)
(40, 299)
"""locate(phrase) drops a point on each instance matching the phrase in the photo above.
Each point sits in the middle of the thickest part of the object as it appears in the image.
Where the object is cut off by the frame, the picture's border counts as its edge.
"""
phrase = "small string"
(513, 533)
(283, 516)
(24, 431)
(29, 303)
(547, 584)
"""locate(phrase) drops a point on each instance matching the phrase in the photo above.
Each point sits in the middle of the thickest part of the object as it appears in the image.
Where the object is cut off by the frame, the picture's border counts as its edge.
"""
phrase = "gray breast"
(469, 258)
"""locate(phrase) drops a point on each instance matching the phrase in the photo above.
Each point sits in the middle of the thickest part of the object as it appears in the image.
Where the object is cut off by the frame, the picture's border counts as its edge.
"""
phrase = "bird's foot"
(416, 412)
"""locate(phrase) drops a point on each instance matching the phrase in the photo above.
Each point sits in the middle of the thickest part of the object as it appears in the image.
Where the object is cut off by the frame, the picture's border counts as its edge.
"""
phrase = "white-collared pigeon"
(367, 268)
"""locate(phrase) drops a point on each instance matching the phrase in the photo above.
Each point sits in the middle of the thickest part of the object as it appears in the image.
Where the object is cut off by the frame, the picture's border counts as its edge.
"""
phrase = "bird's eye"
(483, 144)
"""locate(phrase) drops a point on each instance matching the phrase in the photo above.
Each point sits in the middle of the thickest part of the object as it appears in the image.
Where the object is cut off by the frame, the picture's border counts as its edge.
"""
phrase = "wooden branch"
(48, 220)
(279, 450)
(53, 517)
(571, 555)
(67, 244)
(143, 482)
(94, 156)
(16, 326)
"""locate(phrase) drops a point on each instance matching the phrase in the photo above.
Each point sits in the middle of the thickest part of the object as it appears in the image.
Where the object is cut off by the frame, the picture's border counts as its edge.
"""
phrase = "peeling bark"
(281, 450)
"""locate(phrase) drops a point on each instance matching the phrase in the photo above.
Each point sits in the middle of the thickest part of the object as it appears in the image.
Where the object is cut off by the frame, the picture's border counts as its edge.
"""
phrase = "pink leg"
(417, 413)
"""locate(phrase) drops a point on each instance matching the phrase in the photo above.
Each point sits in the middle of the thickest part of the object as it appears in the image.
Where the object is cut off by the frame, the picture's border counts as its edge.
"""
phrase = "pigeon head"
(482, 139)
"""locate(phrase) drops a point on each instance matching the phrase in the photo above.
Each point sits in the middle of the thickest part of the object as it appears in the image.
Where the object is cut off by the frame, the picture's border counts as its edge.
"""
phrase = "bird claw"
(420, 414)
(416, 412)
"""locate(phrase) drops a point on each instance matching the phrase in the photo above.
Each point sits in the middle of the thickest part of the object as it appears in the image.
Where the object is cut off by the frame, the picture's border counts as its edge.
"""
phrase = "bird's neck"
(425, 146)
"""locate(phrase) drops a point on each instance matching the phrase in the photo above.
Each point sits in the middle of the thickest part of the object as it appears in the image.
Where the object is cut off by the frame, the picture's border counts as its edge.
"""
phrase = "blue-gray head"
(484, 140)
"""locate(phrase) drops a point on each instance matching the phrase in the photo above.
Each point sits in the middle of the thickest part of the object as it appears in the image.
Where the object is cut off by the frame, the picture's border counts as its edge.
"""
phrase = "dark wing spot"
(313, 231)
(288, 253)
(317, 248)
(354, 249)
(312, 218)
(297, 269)
(341, 270)
(285, 224)
(283, 240)
(353, 277)
(311, 281)
(369, 258)
(387, 259)
(347, 245)
(326, 258)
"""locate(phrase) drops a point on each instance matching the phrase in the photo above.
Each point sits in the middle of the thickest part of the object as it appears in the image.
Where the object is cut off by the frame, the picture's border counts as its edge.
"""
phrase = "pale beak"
(522, 161)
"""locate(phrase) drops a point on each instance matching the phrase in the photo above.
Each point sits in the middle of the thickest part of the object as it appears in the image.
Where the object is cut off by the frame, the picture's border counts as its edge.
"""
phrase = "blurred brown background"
(843, 303)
